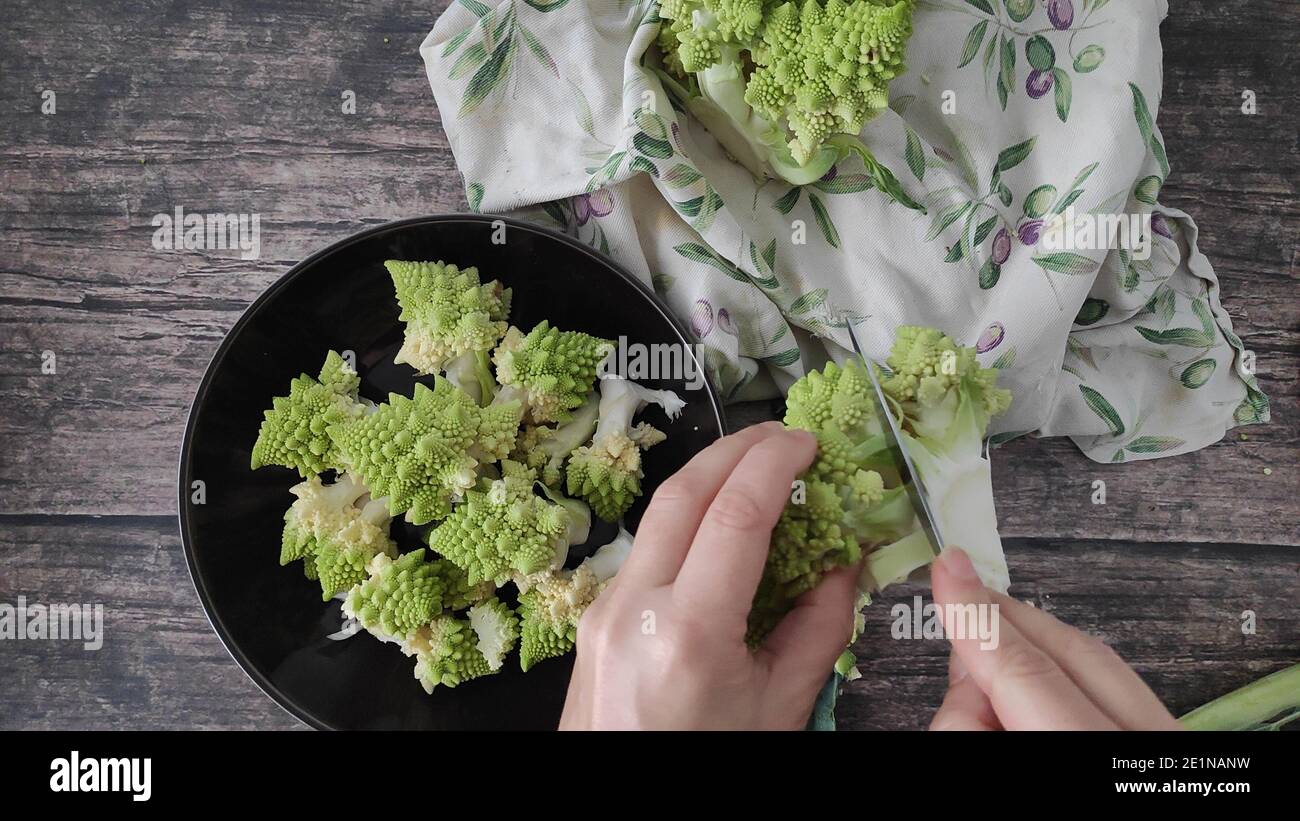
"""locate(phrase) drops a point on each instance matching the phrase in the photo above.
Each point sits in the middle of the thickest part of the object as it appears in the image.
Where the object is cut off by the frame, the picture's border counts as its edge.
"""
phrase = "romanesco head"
(446, 653)
(398, 597)
(695, 30)
(932, 374)
(556, 369)
(824, 67)
(549, 612)
(606, 474)
(503, 530)
(415, 451)
(447, 312)
(293, 432)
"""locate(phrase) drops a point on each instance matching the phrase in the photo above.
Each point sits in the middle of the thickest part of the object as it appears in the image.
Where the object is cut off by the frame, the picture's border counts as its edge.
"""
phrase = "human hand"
(1042, 675)
(663, 647)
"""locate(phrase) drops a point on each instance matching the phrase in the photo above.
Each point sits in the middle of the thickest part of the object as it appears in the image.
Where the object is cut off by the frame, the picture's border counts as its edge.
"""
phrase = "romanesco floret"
(497, 629)
(420, 452)
(335, 529)
(504, 528)
(446, 653)
(546, 449)
(398, 597)
(447, 312)
(607, 472)
(293, 432)
(552, 604)
(786, 87)
(551, 370)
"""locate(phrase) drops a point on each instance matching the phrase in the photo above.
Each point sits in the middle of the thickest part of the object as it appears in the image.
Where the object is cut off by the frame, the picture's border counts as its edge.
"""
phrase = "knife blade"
(897, 447)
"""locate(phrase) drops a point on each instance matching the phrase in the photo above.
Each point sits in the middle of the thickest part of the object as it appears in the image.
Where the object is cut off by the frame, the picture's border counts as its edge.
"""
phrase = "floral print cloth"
(1012, 115)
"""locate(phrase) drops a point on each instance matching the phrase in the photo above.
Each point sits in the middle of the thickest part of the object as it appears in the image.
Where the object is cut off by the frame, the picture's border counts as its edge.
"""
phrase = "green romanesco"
(844, 504)
(293, 433)
(546, 449)
(551, 370)
(497, 629)
(446, 653)
(607, 472)
(503, 529)
(550, 604)
(398, 597)
(448, 313)
(787, 87)
(423, 452)
(336, 530)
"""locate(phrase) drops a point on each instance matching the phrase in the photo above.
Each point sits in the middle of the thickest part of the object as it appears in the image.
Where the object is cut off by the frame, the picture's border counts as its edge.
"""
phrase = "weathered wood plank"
(160, 667)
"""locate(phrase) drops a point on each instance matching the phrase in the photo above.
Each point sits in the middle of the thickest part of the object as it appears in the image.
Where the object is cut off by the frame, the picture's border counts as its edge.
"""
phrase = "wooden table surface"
(234, 106)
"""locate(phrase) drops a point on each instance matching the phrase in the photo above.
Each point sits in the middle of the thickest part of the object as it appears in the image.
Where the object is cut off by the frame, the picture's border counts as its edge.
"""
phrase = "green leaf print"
(1146, 126)
(488, 76)
(474, 196)
(784, 359)
(1147, 189)
(652, 147)
(807, 302)
(681, 176)
(701, 253)
(1103, 409)
(973, 42)
(824, 221)
(845, 184)
(1009, 158)
(915, 155)
(1063, 93)
(1198, 373)
(787, 203)
(1064, 262)
(539, 51)
(1154, 444)
(1185, 337)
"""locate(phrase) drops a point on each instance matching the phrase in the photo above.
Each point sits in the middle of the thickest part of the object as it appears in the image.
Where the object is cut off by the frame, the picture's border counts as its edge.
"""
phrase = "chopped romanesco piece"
(398, 597)
(446, 653)
(607, 472)
(418, 451)
(547, 449)
(293, 432)
(506, 529)
(497, 629)
(335, 529)
(447, 312)
(552, 370)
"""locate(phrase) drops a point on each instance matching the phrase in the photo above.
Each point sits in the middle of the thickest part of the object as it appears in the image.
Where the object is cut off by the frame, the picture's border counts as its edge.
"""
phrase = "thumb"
(803, 648)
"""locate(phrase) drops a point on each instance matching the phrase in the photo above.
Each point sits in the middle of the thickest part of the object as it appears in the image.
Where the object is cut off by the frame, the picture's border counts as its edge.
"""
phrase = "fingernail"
(958, 565)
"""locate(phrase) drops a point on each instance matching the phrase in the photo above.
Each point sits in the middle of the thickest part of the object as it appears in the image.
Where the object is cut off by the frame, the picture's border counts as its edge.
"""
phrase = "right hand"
(1042, 675)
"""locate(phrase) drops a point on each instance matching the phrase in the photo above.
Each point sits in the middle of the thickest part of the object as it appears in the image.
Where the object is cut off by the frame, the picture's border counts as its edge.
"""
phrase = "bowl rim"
(263, 682)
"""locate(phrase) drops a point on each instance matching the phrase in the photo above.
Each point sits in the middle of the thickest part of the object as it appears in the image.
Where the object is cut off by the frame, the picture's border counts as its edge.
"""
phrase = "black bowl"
(271, 618)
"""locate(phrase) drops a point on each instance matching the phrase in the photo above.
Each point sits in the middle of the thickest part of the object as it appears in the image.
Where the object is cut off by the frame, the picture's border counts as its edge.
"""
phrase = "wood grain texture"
(234, 106)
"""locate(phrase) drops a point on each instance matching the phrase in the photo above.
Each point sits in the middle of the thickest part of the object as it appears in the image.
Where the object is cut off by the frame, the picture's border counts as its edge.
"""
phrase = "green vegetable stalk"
(1266, 704)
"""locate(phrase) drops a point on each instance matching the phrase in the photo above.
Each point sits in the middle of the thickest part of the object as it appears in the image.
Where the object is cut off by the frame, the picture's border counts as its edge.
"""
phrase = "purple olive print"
(1061, 13)
(991, 338)
(1029, 231)
(598, 203)
(1001, 246)
(701, 318)
(1038, 83)
(1161, 227)
(724, 322)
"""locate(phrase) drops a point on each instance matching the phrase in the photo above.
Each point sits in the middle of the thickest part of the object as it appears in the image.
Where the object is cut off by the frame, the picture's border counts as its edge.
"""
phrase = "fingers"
(1027, 689)
(1102, 675)
(722, 569)
(803, 648)
(965, 707)
(670, 521)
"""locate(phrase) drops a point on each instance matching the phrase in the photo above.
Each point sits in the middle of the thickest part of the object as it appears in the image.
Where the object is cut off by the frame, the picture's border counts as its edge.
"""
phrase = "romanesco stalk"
(447, 312)
(546, 449)
(293, 432)
(417, 451)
